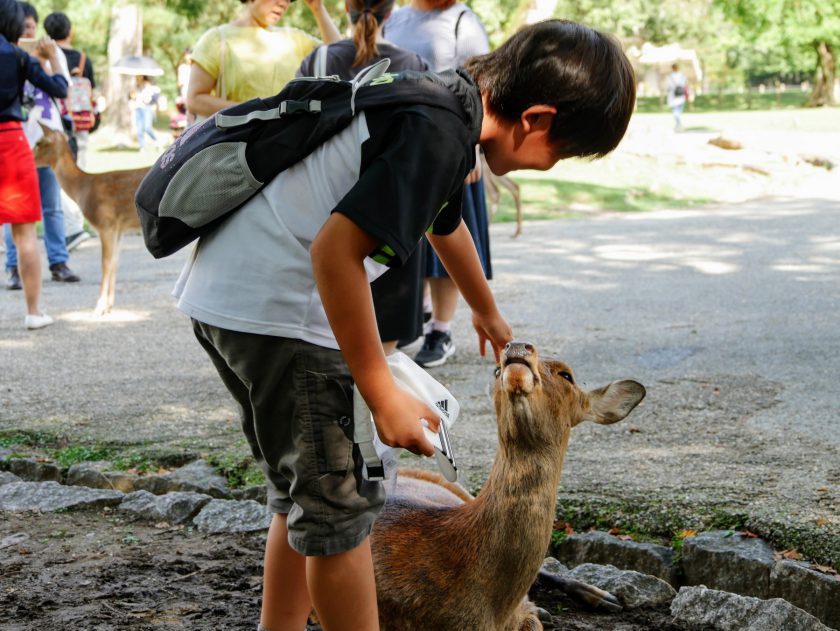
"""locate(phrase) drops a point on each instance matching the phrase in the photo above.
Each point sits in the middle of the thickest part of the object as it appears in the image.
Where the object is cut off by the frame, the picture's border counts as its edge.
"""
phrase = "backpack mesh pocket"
(209, 185)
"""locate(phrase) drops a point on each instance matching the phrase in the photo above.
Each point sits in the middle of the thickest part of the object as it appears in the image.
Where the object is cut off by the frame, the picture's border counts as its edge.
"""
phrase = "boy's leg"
(286, 604)
(343, 589)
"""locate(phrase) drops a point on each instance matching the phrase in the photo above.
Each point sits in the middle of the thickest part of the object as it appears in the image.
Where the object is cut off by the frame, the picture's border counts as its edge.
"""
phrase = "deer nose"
(519, 349)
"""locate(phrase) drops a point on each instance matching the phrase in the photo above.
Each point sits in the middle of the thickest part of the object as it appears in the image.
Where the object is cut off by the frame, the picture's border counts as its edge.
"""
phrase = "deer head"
(538, 400)
(49, 148)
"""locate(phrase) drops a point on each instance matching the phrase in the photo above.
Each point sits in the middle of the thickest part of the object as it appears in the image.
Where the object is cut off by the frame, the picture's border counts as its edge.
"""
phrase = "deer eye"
(497, 372)
(567, 376)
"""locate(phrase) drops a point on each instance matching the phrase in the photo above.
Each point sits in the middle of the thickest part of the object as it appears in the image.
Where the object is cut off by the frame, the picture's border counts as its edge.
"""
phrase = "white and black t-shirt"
(395, 173)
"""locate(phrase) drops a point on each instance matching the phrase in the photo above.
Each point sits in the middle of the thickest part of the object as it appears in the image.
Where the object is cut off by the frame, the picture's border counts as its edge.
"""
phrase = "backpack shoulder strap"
(81, 66)
(220, 82)
(321, 61)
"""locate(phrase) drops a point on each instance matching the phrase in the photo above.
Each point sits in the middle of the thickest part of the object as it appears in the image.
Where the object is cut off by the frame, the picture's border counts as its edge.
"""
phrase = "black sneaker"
(14, 279)
(437, 348)
(74, 240)
(63, 274)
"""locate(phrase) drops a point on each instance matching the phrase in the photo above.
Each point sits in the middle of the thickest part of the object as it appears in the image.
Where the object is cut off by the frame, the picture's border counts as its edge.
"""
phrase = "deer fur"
(106, 200)
(493, 185)
(445, 561)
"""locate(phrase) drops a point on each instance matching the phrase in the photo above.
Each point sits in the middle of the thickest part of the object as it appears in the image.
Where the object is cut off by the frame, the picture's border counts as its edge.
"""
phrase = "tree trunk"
(125, 38)
(823, 93)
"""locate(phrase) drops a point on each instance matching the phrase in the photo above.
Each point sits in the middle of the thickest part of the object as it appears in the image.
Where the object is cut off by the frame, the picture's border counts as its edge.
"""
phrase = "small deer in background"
(106, 200)
(446, 561)
(493, 185)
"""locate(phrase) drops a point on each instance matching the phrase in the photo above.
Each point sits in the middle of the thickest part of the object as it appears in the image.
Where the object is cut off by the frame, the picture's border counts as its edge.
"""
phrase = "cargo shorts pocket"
(331, 418)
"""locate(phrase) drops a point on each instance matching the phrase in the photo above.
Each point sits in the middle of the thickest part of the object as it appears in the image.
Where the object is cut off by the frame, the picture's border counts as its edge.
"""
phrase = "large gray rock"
(257, 493)
(96, 476)
(712, 610)
(157, 484)
(553, 566)
(633, 589)
(199, 477)
(32, 470)
(815, 592)
(232, 516)
(728, 561)
(7, 477)
(175, 508)
(52, 496)
(601, 547)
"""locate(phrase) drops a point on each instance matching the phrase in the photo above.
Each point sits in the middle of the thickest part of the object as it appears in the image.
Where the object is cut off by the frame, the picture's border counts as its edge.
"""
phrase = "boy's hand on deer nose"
(492, 328)
(398, 423)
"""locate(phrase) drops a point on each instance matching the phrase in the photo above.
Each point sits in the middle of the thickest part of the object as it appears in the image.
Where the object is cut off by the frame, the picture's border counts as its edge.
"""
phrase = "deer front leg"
(115, 261)
(106, 239)
(581, 592)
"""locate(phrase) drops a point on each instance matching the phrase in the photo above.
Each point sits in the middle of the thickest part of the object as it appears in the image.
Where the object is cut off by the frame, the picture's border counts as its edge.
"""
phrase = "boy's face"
(529, 152)
(522, 144)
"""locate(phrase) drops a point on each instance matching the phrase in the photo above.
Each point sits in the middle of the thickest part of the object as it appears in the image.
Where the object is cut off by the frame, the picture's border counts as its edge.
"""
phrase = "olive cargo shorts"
(296, 406)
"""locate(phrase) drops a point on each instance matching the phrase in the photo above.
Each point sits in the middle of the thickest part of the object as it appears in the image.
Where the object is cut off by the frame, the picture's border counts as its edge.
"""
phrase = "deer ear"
(612, 403)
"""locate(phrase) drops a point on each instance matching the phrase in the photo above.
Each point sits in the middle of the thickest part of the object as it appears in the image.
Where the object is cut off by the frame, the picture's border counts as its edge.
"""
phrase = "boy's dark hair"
(366, 16)
(580, 71)
(29, 11)
(57, 25)
(11, 20)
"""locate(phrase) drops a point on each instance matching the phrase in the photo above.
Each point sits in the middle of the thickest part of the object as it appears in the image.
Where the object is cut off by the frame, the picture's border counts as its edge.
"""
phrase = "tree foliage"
(792, 35)
(735, 39)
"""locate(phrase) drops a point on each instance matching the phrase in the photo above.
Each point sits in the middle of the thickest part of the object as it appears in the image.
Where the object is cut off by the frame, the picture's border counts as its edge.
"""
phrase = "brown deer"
(106, 200)
(493, 185)
(447, 561)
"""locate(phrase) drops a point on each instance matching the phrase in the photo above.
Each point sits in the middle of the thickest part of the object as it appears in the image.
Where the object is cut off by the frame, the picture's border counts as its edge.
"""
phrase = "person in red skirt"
(20, 200)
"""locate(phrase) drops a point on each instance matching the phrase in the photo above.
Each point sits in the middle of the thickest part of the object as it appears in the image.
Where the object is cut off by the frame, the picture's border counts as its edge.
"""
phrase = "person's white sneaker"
(34, 321)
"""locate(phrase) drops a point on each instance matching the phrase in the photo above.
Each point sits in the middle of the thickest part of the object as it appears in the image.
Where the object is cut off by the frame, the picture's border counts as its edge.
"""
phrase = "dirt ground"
(97, 571)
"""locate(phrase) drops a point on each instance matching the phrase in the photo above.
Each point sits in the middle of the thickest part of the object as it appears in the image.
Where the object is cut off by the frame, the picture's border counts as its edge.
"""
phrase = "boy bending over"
(279, 294)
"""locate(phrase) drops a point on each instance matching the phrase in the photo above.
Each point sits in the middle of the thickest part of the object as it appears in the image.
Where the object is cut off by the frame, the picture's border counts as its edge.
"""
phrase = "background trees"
(739, 41)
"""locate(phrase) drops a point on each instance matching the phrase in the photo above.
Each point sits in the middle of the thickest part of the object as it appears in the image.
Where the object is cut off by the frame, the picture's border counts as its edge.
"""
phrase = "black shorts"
(296, 406)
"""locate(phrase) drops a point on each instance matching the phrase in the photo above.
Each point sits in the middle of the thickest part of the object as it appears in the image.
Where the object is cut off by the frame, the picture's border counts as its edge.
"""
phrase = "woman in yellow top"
(251, 56)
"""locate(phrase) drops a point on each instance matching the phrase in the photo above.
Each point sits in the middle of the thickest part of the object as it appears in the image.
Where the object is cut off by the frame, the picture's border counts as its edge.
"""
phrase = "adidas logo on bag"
(443, 406)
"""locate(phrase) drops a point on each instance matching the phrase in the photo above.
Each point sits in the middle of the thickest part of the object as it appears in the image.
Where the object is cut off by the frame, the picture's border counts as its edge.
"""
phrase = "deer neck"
(514, 514)
(73, 180)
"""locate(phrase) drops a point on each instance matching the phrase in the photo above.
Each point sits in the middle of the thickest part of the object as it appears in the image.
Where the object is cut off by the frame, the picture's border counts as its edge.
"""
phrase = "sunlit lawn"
(621, 182)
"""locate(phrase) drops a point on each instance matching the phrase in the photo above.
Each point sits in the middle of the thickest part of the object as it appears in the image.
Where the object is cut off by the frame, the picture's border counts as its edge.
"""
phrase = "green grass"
(75, 454)
(240, 471)
(552, 198)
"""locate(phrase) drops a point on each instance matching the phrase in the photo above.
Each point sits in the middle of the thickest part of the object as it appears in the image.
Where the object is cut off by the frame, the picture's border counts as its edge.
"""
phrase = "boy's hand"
(492, 328)
(397, 419)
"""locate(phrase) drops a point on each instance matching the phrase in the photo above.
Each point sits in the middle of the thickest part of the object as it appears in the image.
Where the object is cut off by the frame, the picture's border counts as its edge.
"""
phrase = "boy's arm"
(458, 255)
(338, 253)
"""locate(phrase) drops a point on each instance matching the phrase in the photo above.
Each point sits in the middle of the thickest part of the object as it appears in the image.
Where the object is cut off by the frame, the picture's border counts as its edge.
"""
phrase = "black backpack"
(215, 167)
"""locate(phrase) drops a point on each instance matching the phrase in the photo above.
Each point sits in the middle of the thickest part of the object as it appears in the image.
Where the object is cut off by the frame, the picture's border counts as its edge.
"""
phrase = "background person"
(58, 26)
(144, 100)
(677, 90)
(251, 57)
(43, 111)
(446, 34)
(20, 201)
(397, 295)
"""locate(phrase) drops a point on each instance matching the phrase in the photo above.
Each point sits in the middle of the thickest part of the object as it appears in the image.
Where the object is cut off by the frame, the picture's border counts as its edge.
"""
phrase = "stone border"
(722, 560)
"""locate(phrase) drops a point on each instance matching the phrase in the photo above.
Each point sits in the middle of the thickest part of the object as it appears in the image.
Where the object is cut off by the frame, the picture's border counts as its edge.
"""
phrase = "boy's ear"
(537, 118)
